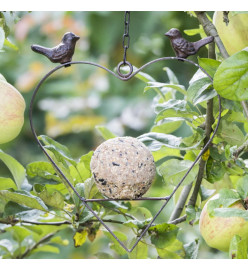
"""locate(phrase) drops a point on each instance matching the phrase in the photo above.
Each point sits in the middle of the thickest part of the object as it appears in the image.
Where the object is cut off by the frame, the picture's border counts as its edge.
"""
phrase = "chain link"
(126, 37)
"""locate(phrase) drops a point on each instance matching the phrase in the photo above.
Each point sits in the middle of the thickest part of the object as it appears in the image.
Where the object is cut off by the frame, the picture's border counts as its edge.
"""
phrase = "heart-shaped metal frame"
(123, 77)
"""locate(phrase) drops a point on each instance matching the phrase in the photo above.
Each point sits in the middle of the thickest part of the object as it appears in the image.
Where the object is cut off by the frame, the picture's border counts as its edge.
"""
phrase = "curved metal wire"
(123, 77)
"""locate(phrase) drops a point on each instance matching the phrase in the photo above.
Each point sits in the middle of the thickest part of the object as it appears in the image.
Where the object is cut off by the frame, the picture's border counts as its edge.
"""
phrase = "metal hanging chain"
(126, 37)
(125, 45)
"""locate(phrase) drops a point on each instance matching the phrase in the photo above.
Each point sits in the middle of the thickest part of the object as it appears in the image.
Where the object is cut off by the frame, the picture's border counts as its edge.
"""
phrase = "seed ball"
(123, 168)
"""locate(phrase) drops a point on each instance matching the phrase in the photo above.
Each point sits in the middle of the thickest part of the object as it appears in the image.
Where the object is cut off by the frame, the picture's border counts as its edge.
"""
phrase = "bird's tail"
(202, 42)
(41, 50)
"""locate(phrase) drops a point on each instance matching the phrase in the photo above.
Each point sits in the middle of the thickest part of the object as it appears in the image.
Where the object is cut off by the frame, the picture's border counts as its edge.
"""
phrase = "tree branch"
(180, 203)
(210, 30)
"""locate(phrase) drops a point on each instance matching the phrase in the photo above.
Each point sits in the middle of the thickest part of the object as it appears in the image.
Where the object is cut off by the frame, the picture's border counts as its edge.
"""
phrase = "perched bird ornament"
(63, 52)
(182, 47)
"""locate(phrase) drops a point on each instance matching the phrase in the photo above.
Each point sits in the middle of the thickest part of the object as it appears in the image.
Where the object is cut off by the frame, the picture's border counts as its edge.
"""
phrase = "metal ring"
(123, 64)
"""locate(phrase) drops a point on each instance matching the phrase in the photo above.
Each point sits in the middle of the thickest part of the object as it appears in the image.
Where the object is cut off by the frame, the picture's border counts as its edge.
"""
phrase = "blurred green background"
(76, 99)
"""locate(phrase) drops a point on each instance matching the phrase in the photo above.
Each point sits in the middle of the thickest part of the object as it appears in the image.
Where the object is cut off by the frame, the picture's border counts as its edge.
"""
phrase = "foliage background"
(74, 101)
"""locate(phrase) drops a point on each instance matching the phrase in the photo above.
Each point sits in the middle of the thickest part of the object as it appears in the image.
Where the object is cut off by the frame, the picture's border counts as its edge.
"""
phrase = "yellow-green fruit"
(219, 231)
(12, 106)
(235, 35)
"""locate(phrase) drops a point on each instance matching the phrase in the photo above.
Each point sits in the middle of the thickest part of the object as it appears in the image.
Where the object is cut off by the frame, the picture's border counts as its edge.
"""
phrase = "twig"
(181, 202)
(178, 220)
(239, 150)
(29, 250)
(14, 221)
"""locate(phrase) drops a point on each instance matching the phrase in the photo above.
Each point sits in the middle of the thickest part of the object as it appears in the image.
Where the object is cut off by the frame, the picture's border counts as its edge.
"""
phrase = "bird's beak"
(167, 34)
(76, 37)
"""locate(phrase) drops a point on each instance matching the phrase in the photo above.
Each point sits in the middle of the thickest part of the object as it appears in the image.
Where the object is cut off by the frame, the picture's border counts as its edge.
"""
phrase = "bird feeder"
(123, 168)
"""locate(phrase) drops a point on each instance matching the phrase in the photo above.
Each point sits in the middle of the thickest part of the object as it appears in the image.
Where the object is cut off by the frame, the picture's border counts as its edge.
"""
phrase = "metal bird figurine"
(182, 47)
(63, 52)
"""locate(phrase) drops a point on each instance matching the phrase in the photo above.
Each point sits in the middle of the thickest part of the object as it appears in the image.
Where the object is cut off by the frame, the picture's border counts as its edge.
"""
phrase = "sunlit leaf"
(80, 238)
(23, 198)
(140, 251)
(51, 197)
(163, 235)
(16, 169)
(105, 133)
(210, 65)
(231, 78)
(115, 245)
(173, 171)
(42, 169)
(6, 183)
(238, 248)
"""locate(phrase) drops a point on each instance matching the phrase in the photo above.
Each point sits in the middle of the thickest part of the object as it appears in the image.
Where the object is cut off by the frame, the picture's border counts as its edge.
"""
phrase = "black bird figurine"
(63, 52)
(182, 47)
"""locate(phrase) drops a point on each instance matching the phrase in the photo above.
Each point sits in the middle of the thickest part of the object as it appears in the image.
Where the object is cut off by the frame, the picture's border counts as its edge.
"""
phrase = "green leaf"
(134, 223)
(210, 65)
(16, 169)
(60, 151)
(193, 32)
(191, 249)
(200, 90)
(80, 238)
(206, 193)
(231, 78)
(6, 246)
(230, 212)
(171, 75)
(23, 198)
(175, 108)
(46, 248)
(215, 170)
(19, 233)
(83, 166)
(226, 198)
(173, 171)
(115, 245)
(6, 183)
(154, 141)
(152, 85)
(140, 75)
(193, 214)
(238, 248)
(140, 251)
(9, 44)
(174, 251)
(165, 152)
(163, 235)
(51, 197)
(60, 241)
(12, 208)
(242, 187)
(105, 133)
(230, 133)
(42, 169)
(168, 125)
